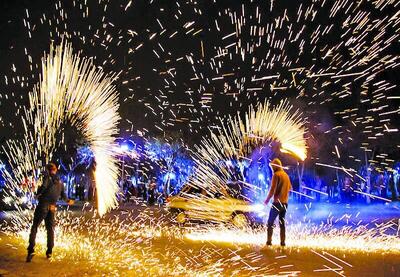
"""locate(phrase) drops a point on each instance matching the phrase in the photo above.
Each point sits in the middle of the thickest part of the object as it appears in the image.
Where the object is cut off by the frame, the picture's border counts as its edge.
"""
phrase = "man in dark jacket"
(48, 194)
(279, 191)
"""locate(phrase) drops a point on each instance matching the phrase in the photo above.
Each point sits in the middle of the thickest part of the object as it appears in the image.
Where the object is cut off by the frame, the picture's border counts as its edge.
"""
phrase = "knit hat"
(276, 164)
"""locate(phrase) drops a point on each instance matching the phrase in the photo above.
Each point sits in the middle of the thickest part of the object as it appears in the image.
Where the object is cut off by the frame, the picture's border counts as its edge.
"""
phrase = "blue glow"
(169, 176)
(85, 155)
(134, 181)
(172, 165)
(125, 147)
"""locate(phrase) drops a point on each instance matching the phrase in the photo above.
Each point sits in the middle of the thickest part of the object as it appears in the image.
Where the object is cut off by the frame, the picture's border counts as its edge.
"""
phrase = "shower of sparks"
(361, 238)
(71, 89)
(237, 139)
(192, 62)
(147, 244)
(186, 64)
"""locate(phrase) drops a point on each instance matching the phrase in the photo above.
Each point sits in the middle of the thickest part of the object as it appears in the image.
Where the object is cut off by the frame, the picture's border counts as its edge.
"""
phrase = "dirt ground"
(235, 262)
(172, 256)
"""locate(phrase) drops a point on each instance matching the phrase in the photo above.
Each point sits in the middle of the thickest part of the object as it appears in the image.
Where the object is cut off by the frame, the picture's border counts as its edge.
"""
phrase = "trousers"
(277, 209)
(43, 212)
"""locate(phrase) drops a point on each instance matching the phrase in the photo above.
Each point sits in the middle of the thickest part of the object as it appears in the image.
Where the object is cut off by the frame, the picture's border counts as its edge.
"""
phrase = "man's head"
(52, 169)
(276, 164)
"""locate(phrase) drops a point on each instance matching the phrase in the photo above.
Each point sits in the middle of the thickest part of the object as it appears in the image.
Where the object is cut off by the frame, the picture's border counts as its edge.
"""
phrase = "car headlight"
(259, 209)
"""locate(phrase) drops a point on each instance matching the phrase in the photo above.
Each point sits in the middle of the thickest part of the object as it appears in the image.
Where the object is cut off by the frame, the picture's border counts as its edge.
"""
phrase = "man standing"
(280, 188)
(48, 194)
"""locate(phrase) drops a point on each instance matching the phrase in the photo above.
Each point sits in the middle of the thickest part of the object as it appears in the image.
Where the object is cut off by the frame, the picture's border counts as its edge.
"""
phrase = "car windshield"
(240, 191)
(235, 190)
(193, 191)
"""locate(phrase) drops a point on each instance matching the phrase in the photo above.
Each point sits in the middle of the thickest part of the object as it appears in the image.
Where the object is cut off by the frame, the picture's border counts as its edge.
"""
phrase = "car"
(229, 205)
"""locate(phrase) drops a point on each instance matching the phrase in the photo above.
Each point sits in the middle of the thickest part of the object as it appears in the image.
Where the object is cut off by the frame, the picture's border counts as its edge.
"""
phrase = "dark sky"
(182, 64)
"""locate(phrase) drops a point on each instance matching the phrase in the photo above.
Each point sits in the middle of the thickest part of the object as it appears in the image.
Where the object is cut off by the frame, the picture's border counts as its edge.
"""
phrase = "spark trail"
(71, 89)
(237, 139)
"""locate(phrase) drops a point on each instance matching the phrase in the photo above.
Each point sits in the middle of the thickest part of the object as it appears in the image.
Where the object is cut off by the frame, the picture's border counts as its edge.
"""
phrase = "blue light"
(85, 156)
(181, 164)
(134, 181)
(125, 147)
(261, 177)
(169, 176)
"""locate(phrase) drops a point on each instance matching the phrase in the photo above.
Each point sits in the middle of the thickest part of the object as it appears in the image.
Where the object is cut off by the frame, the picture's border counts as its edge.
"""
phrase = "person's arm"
(272, 189)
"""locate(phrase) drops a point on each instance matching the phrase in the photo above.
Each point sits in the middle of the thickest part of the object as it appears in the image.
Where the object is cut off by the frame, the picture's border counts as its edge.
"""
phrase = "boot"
(29, 257)
(283, 235)
(269, 235)
(49, 254)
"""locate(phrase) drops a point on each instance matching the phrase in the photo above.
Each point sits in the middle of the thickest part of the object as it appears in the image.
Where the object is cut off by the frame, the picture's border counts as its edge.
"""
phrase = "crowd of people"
(368, 186)
(147, 191)
(365, 187)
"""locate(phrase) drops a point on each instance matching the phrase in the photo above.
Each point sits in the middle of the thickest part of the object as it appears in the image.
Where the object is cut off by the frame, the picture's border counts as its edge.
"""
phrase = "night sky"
(183, 64)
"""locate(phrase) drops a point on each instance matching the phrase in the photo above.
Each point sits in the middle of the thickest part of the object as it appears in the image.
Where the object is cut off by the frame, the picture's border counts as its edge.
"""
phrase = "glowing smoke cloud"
(73, 90)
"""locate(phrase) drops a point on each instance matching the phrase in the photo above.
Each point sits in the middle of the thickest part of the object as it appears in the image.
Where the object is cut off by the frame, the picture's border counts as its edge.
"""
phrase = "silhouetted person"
(347, 190)
(48, 194)
(152, 192)
(392, 188)
(280, 188)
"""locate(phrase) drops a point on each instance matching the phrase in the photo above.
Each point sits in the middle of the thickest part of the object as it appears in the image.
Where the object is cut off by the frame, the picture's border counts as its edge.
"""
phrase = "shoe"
(283, 244)
(30, 256)
(48, 254)
(268, 243)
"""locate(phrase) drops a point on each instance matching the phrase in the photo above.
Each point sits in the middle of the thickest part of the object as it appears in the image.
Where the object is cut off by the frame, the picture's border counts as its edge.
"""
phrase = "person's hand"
(70, 202)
